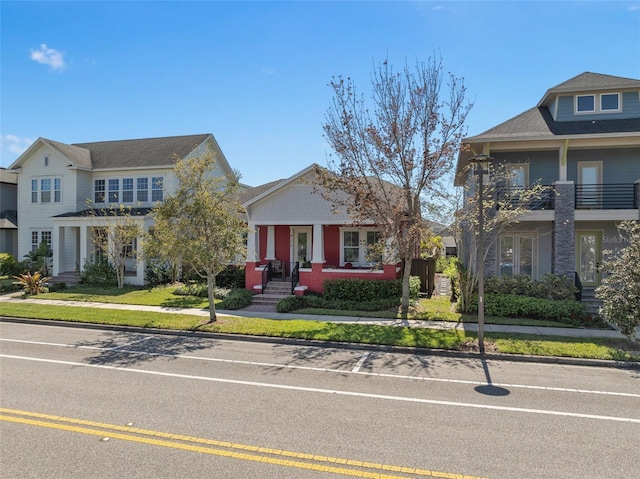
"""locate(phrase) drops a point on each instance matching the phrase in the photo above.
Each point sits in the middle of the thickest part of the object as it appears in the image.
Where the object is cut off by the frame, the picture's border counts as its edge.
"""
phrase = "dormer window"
(585, 103)
(610, 102)
(603, 103)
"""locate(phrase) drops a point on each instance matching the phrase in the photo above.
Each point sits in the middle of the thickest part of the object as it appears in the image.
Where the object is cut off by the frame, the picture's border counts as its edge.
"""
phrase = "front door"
(588, 256)
(589, 179)
(301, 245)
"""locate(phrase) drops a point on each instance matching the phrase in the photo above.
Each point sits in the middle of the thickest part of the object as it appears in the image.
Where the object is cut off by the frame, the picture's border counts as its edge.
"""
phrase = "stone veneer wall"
(564, 258)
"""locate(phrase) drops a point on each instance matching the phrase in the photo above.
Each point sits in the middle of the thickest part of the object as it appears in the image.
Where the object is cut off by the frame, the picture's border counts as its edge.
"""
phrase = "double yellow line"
(221, 448)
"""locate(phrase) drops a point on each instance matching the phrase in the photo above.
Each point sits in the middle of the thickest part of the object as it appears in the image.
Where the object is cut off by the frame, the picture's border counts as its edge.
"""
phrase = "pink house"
(297, 236)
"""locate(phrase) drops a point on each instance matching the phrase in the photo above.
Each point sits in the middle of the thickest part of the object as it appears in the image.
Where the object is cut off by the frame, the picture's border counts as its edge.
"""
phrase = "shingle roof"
(538, 123)
(145, 152)
(104, 212)
(590, 81)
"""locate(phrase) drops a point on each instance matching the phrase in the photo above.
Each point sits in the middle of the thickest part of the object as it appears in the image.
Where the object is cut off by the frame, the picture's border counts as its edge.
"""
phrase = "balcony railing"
(607, 197)
(517, 197)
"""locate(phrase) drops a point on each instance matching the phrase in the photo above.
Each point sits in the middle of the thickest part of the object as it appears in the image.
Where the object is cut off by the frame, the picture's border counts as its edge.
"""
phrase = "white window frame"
(516, 253)
(597, 103)
(525, 169)
(363, 247)
(37, 236)
(54, 189)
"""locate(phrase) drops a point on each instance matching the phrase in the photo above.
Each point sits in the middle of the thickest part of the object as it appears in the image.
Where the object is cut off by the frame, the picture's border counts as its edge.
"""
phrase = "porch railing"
(267, 274)
(517, 197)
(607, 197)
(295, 276)
(578, 284)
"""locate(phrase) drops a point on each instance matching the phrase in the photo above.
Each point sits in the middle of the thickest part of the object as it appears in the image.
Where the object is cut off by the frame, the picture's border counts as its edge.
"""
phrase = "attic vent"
(46, 160)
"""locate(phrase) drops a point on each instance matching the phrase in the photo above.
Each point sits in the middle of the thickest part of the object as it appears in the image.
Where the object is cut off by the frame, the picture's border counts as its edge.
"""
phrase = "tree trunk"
(404, 304)
(211, 282)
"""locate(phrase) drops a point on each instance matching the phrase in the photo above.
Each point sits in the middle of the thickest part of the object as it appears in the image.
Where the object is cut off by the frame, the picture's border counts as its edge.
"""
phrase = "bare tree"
(387, 158)
(503, 208)
(115, 230)
(203, 223)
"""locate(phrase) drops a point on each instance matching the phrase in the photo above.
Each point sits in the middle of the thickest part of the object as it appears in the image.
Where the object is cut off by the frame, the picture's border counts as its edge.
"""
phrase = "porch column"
(562, 163)
(57, 247)
(317, 255)
(271, 242)
(563, 254)
(253, 243)
(84, 245)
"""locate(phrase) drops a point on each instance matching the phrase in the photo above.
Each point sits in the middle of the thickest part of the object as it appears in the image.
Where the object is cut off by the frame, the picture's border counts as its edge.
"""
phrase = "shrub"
(159, 272)
(9, 265)
(568, 311)
(550, 286)
(236, 299)
(99, 273)
(57, 287)
(200, 290)
(294, 303)
(442, 263)
(231, 277)
(361, 290)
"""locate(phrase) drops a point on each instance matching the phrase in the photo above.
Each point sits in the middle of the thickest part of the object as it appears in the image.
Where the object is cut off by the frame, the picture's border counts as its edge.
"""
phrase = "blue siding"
(543, 165)
(630, 109)
(619, 166)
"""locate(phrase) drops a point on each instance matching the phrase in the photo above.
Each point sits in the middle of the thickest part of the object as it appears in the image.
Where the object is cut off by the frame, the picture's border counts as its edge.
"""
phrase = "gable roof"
(589, 81)
(259, 192)
(137, 153)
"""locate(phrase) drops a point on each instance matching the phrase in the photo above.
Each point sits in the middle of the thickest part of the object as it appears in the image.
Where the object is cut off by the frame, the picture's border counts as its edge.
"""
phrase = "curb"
(335, 344)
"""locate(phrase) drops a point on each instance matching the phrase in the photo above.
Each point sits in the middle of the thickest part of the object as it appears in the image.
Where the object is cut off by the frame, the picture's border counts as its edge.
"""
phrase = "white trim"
(617, 110)
(597, 103)
(584, 112)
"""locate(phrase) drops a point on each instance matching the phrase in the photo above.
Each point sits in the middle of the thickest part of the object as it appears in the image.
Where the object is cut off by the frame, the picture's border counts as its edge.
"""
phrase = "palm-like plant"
(32, 283)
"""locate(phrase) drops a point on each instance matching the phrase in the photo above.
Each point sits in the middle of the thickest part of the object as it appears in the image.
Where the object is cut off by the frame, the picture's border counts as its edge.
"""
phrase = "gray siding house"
(582, 140)
(8, 212)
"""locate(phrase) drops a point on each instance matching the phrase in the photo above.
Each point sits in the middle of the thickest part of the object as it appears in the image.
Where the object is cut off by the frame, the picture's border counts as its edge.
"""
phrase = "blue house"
(582, 140)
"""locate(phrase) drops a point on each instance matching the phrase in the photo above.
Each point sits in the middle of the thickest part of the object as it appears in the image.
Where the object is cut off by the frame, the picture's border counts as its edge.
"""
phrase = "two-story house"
(61, 186)
(8, 212)
(582, 140)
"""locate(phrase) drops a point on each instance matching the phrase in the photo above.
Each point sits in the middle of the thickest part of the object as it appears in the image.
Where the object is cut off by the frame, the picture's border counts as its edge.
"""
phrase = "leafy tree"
(620, 290)
(202, 224)
(40, 259)
(387, 158)
(115, 231)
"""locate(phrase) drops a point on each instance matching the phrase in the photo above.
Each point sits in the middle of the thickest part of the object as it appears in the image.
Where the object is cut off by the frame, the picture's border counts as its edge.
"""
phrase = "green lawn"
(316, 330)
(158, 296)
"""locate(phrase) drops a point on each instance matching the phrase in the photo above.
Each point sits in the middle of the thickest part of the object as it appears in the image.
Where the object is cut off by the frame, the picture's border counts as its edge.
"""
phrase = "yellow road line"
(167, 438)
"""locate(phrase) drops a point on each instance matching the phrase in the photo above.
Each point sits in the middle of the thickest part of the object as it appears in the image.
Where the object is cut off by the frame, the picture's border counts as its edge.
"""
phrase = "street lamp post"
(479, 161)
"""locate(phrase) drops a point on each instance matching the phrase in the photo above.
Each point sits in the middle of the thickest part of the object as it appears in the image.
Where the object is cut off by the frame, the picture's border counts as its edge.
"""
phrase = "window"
(38, 237)
(157, 188)
(585, 103)
(604, 103)
(360, 246)
(34, 191)
(98, 194)
(46, 160)
(517, 255)
(45, 190)
(518, 175)
(114, 190)
(57, 190)
(610, 102)
(127, 190)
(143, 189)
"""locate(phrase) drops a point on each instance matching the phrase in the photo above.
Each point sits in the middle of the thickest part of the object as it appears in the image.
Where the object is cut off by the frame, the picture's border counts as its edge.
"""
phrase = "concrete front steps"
(70, 278)
(274, 292)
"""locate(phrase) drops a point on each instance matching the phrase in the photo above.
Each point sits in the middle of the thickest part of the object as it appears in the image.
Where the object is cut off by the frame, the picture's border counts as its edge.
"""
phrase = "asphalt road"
(85, 403)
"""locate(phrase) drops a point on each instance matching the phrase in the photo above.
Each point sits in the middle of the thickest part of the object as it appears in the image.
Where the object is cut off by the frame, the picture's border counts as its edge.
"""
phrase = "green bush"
(236, 299)
(362, 291)
(9, 266)
(568, 311)
(550, 286)
(442, 263)
(200, 290)
(98, 273)
(231, 277)
(294, 303)
(158, 272)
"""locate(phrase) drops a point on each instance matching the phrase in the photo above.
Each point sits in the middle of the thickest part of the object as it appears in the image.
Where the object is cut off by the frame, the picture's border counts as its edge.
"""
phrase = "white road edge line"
(333, 391)
(339, 371)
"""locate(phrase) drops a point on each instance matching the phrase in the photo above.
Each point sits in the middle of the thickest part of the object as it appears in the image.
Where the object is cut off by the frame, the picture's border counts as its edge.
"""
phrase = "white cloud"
(48, 56)
(14, 144)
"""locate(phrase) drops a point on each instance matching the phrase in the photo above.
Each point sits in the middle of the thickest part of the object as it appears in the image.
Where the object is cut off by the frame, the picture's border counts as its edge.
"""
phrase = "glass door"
(589, 180)
(301, 245)
(588, 256)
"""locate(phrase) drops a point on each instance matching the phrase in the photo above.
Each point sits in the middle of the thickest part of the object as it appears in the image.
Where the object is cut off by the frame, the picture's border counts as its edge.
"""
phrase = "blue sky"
(255, 74)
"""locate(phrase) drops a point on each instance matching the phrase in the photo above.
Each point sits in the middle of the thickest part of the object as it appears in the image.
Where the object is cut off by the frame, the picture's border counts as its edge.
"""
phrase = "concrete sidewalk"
(442, 325)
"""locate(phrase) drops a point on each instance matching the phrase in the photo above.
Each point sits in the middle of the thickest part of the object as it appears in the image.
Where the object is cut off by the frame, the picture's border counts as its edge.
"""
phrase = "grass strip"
(592, 348)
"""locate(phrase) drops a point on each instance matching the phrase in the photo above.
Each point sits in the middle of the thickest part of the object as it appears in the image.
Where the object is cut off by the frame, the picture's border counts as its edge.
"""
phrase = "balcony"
(607, 197)
(511, 197)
